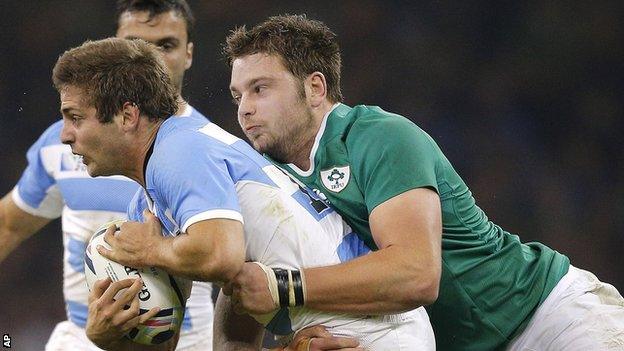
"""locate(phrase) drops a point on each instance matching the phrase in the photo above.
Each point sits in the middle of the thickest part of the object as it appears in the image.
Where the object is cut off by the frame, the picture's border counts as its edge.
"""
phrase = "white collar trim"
(188, 110)
(317, 140)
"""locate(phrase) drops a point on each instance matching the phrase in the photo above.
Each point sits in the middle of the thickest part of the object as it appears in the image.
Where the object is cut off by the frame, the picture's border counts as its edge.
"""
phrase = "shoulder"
(187, 153)
(176, 149)
(198, 116)
(192, 139)
(375, 126)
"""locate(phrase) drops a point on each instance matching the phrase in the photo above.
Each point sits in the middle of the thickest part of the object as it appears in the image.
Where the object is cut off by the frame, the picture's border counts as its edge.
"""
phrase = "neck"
(301, 157)
(142, 147)
(181, 105)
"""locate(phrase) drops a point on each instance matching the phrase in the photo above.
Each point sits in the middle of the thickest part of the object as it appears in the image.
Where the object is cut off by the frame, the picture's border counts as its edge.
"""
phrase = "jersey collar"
(317, 140)
(165, 128)
(188, 110)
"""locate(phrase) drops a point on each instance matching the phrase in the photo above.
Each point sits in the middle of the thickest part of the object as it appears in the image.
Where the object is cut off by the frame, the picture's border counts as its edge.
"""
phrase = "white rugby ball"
(159, 290)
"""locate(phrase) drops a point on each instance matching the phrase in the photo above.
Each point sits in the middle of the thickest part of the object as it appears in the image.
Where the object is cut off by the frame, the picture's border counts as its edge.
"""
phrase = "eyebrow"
(254, 81)
(67, 110)
(159, 41)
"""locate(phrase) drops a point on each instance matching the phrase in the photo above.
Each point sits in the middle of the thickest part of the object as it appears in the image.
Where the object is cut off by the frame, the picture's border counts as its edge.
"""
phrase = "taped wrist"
(287, 287)
(272, 283)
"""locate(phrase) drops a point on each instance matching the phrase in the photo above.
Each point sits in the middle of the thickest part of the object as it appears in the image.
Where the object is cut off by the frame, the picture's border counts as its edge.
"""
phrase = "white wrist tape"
(272, 283)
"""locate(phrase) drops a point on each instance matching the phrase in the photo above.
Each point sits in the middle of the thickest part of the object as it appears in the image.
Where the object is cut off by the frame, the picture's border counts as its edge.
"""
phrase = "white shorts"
(67, 336)
(409, 331)
(196, 340)
(581, 313)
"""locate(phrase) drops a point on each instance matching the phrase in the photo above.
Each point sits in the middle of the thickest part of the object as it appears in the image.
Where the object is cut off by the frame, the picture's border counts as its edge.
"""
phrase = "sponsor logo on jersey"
(336, 178)
(320, 194)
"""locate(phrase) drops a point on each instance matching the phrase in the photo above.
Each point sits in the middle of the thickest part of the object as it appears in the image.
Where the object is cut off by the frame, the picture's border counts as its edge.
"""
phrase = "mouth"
(251, 129)
(81, 157)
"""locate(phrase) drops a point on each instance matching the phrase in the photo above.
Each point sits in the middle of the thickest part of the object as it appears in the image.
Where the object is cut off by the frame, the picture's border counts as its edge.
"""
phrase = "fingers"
(227, 289)
(106, 253)
(99, 288)
(317, 331)
(334, 342)
(234, 292)
(318, 338)
(109, 235)
(140, 319)
(148, 216)
(235, 300)
(129, 317)
(238, 307)
(149, 314)
(115, 287)
(109, 238)
(129, 295)
(135, 305)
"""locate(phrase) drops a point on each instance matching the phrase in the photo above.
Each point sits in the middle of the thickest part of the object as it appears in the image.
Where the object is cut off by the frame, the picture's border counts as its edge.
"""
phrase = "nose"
(67, 135)
(246, 107)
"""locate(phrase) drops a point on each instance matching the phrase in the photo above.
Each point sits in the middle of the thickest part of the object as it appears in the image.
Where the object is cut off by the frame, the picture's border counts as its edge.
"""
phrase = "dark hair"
(114, 71)
(156, 7)
(305, 46)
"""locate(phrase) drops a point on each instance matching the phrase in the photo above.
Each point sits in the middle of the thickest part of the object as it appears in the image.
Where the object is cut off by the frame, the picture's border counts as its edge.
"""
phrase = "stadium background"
(523, 97)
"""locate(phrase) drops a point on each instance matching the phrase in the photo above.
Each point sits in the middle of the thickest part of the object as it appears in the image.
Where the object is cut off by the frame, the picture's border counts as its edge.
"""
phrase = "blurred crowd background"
(524, 97)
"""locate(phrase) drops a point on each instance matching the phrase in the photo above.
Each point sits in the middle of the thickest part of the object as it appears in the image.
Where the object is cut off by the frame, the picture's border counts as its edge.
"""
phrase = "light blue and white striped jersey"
(199, 171)
(200, 302)
(56, 183)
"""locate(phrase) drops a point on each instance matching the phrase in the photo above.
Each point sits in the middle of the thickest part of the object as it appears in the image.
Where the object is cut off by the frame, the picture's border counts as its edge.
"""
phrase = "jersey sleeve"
(390, 156)
(36, 191)
(194, 184)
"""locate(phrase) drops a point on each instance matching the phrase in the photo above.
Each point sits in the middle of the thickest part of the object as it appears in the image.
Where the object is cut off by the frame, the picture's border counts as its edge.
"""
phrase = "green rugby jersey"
(491, 283)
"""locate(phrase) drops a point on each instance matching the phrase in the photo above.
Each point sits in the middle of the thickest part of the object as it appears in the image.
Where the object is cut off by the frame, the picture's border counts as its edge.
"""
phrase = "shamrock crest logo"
(336, 179)
(335, 176)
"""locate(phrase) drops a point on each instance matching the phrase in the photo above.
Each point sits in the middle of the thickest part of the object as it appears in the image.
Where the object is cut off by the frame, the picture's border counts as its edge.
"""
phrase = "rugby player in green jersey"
(485, 290)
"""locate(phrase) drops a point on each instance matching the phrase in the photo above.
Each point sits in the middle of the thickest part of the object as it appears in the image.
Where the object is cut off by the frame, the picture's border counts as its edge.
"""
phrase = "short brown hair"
(305, 46)
(156, 7)
(114, 71)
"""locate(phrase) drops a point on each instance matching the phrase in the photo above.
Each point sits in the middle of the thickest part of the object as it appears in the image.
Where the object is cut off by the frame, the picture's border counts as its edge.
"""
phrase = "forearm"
(391, 280)
(182, 257)
(8, 242)
(205, 256)
(15, 226)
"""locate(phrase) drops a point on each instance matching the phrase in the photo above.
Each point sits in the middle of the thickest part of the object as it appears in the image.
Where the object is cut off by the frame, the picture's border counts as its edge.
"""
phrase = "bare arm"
(211, 250)
(403, 274)
(234, 331)
(16, 225)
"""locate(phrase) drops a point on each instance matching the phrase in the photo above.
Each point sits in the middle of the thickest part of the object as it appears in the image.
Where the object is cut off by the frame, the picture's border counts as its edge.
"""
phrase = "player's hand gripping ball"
(160, 289)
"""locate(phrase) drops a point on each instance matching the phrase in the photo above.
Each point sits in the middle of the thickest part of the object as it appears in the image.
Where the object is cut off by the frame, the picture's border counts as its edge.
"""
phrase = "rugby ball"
(159, 290)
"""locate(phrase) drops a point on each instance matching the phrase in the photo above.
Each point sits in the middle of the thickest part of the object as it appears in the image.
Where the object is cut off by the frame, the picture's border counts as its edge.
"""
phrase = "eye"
(236, 99)
(259, 88)
(166, 47)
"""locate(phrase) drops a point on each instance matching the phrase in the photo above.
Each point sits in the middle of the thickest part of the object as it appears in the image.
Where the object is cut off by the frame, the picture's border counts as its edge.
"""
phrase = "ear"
(189, 55)
(130, 115)
(316, 89)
